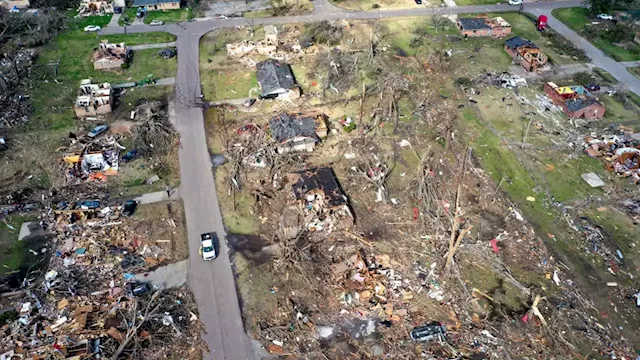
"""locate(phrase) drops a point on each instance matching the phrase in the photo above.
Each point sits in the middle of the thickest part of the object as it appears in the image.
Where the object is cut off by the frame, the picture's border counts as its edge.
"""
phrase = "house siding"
(496, 32)
(163, 6)
(590, 112)
(518, 58)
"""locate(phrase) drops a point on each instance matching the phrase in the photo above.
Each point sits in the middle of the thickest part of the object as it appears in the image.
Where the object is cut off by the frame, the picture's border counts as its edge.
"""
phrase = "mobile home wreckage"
(276, 80)
(110, 56)
(93, 99)
(483, 26)
(575, 101)
(525, 53)
(320, 200)
(298, 132)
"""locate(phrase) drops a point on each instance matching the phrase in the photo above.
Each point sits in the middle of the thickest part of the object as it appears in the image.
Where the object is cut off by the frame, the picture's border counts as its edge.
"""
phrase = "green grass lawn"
(578, 18)
(575, 18)
(80, 22)
(52, 100)
(169, 16)
(227, 84)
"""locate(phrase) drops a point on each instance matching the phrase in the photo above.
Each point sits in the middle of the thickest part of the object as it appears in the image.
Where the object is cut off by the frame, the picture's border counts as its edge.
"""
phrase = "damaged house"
(92, 8)
(525, 53)
(298, 132)
(483, 26)
(276, 80)
(320, 200)
(110, 56)
(575, 101)
(93, 99)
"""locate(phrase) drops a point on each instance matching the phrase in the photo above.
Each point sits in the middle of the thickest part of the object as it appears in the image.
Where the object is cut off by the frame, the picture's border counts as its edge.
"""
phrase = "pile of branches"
(322, 32)
(155, 135)
(342, 70)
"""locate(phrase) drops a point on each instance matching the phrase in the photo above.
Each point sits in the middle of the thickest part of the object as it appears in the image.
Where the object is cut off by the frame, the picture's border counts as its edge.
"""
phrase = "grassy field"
(169, 16)
(52, 99)
(578, 18)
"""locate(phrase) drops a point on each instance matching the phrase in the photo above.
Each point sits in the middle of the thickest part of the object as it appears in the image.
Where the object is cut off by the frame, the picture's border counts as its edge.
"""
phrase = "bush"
(415, 42)
(583, 78)
(375, 6)
(125, 65)
(463, 81)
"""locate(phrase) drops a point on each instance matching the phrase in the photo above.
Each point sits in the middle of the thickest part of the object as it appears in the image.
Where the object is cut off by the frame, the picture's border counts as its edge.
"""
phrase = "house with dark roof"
(483, 26)
(276, 80)
(576, 101)
(525, 53)
(151, 5)
(298, 132)
(320, 199)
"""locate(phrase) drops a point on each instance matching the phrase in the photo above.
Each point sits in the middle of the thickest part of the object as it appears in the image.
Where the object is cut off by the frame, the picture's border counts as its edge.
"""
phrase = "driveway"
(213, 283)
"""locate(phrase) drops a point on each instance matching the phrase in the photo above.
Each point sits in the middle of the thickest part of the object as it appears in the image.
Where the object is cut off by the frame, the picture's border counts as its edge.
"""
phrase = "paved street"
(598, 58)
(213, 282)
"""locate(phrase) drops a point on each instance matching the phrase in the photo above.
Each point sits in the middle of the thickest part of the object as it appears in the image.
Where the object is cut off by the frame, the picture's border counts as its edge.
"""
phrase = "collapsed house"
(298, 132)
(93, 99)
(576, 101)
(93, 7)
(483, 26)
(276, 80)
(110, 56)
(525, 53)
(84, 300)
(152, 5)
(271, 34)
(619, 152)
(320, 200)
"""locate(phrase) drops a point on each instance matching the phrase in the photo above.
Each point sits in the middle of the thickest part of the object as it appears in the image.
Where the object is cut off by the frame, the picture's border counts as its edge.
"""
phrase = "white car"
(515, 2)
(605, 17)
(92, 28)
(208, 246)
(156, 23)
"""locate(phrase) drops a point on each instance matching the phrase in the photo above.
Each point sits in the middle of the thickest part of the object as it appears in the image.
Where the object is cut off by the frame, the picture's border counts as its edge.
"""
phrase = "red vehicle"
(542, 22)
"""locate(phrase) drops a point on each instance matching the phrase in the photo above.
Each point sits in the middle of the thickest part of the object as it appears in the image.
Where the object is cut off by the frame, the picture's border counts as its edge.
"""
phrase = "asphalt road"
(213, 283)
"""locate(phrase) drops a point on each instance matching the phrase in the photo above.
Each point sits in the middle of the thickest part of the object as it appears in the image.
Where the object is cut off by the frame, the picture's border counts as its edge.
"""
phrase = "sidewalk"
(154, 197)
(151, 46)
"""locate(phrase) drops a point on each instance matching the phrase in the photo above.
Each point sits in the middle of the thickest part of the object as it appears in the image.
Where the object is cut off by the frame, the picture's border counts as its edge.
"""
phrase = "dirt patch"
(164, 222)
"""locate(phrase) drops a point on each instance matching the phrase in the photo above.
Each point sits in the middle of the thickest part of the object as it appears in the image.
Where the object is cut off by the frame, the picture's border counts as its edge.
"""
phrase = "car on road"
(92, 28)
(97, 131)
(208, 246)
(515, 2)
(168, 53)
(156, 22)
(605, 17)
